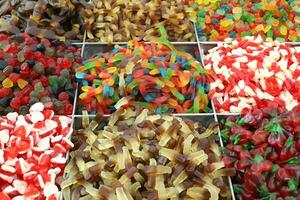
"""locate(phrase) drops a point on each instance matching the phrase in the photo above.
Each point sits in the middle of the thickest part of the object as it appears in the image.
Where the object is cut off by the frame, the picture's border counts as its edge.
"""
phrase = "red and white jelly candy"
(247, 72)
(33, 152)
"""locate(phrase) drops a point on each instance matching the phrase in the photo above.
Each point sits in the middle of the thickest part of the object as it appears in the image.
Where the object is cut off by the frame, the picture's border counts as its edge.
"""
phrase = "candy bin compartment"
(205, 47)
(205, 119)
(92, 48)
(249, 141)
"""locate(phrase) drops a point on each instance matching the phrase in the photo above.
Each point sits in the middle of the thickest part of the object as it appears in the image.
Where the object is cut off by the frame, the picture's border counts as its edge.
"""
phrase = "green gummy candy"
(53, 80)
(39, 68)
(39, 87)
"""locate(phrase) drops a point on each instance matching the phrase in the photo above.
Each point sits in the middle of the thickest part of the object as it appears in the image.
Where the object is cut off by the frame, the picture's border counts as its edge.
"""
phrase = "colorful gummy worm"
(272, 19)
(154, 76)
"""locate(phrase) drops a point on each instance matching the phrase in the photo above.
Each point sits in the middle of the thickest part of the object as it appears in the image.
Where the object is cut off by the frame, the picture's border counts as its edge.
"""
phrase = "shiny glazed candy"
(33, 70)
(264, 147)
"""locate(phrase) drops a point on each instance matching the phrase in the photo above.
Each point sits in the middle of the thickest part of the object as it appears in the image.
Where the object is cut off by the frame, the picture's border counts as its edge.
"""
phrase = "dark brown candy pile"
(52, 19)
(143, 156)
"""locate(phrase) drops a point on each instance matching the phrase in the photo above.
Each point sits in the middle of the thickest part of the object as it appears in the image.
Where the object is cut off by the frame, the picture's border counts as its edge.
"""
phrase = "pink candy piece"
(247, 71)
(33, 152)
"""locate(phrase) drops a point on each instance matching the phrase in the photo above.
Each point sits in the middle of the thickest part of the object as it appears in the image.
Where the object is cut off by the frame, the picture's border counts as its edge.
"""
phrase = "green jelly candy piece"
(33, 100)
(54, 89)
(70, 55)
(45, 99)
(58, 104)
(132, 85)
(49, 52)
(97, 82)
(270, 34)
(62, 81)
(65, 73)
(69, 85)
(34, 93)
(89, 65)
(3, 44)
(20, 56)
(53, 80)
(39, 87)
(39, 68)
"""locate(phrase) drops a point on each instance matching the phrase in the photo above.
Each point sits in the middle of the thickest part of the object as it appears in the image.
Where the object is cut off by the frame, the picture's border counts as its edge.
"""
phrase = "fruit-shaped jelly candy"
(26, 67)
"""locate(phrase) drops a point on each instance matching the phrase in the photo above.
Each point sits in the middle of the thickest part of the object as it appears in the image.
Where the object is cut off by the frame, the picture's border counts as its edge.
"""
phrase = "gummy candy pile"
(139, 155)
(125, 20)
(34, 70)
(154, 76)
(264, 147)
(272, 19)
(43, 18)
(33, 153)
(247, 71)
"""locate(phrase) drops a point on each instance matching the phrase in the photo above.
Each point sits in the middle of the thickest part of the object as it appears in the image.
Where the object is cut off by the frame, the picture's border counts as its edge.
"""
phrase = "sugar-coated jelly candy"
(153, 76)
(271, 19)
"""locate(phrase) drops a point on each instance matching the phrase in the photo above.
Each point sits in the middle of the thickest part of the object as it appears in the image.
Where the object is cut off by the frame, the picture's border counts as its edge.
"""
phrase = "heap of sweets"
(154, 76)
(33, 152)
(138, 155)
(272, 19)
(264, 147)
(50, 19)
(246, 71)
(125, 20)
(33, 70)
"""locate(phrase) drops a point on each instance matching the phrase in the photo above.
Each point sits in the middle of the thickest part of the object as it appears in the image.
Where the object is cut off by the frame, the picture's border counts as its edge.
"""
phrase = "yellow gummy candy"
(226, 22)
(214, 33)
(267, 28)
(22, 83)
(111, 70)
(237, 10)
(283, 30)
(275, 22)
(259, 27)
(7, 83)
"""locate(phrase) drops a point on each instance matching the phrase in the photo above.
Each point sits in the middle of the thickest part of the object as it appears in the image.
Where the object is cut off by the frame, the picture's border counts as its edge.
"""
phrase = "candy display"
(125, 20)
(248, 70)
(138, 155)
(155, 76)
(127, 75)
(44, 18)
(33, 153)
(33, 70)
(264, 147)
(271, 19)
